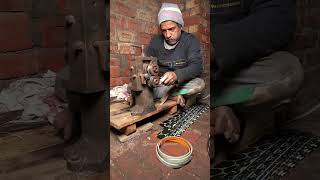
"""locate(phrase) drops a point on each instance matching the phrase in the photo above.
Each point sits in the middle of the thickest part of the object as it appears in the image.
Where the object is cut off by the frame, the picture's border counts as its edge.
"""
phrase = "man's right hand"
(169, 78)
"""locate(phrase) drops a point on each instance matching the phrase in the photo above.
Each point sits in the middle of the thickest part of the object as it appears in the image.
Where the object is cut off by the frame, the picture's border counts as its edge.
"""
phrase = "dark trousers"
(275, 77)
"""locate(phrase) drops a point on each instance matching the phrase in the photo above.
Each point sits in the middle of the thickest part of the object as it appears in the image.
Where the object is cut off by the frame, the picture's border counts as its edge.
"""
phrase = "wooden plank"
(9, 116)
(124, 119)
(129, 129)
(140, 130)
(26, 147)
(173, 110)
(51, 169)
(20, 126)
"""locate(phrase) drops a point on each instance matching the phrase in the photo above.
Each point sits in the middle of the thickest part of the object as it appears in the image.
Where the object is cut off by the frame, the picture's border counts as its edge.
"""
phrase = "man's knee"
(288, 81)
(194, 86)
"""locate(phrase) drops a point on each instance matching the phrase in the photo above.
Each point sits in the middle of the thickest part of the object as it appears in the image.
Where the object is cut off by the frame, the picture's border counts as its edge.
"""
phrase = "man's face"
(171, 32)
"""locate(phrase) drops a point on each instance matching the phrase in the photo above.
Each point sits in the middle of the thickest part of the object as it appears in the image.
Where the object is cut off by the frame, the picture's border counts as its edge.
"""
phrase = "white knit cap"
(170, 12)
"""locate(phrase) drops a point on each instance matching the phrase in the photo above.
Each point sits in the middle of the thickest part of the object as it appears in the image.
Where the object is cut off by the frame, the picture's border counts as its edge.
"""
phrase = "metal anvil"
(144, 77)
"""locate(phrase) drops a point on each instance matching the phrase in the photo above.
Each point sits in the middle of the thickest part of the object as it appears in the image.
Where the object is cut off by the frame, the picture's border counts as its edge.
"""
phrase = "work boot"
(90, 154)
(223, 121)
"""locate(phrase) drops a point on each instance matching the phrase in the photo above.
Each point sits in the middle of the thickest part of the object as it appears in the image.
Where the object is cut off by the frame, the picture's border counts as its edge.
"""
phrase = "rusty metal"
(87, 91)
(144, 76)
(86, 34)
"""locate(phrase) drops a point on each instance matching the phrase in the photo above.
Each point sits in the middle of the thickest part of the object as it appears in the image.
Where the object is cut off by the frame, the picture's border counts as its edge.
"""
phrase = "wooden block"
(9, 116)
(140, 130)
(173, 110)
(129, 129)
(120, 117)
(23, 148)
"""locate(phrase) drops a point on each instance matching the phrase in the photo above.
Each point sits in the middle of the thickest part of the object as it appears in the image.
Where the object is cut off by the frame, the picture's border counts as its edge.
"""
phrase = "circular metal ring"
(174, 161)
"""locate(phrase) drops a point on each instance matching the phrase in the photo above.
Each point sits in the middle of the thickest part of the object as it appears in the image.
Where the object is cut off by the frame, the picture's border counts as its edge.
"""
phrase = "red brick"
(193, 28)
(196, 10)
(132, 25)
(194, 20)
(113, 21)
(15, 33)
(51, 58)
(144, 15)
(113, 34)
(203, 30)
(117, 21)
(114, 61)
(14, 65)
(186, 13)
(135, 3)
(42, 9)
(151, 28)
(114, 71)
(12, 5)
(128, 48)
(192, 3)
(115, 82)
(138, 51)
(125, 80)
(125, 72)
(53, 37)
(145, 38)
(205, 39)
(153, 6)
(171, 1)
(114, 48)
(61, 4)
(123, 9)
(126, 36)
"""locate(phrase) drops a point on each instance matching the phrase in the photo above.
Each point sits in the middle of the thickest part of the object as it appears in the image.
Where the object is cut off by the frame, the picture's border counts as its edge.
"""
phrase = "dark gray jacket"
(185, 59)
(243, 31)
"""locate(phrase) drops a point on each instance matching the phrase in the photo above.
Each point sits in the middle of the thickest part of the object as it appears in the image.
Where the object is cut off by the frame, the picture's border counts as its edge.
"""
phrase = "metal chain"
(177, 124)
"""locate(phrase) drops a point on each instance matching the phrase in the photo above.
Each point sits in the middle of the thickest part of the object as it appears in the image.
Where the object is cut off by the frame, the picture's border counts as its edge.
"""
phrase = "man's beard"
(171, 42)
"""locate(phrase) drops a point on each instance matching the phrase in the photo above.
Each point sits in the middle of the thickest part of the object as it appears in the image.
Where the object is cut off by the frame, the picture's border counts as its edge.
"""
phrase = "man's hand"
(169, 78)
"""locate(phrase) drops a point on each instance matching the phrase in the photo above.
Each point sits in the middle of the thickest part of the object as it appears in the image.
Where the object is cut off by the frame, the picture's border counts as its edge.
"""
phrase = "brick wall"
(31, 36)
(307, 48)
(134, 22)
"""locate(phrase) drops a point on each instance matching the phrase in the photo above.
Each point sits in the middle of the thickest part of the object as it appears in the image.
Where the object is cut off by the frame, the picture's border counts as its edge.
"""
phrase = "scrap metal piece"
(144, 76)
(86, 86)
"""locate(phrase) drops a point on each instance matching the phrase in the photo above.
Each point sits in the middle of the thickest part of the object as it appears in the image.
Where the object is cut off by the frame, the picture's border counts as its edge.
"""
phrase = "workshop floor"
(308, 168)
(136, 158)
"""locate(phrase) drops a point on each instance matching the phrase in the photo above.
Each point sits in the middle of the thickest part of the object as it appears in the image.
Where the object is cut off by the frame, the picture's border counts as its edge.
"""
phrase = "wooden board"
(140, 130)
(121, 117)
(50, 169)
(20, 149)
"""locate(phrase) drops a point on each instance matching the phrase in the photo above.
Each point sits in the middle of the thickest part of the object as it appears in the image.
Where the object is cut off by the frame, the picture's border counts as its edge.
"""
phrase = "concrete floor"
(308, 168)
(136, 158)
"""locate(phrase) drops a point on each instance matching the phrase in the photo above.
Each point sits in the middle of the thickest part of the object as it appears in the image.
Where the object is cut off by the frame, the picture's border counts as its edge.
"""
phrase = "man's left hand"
(169, 78)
